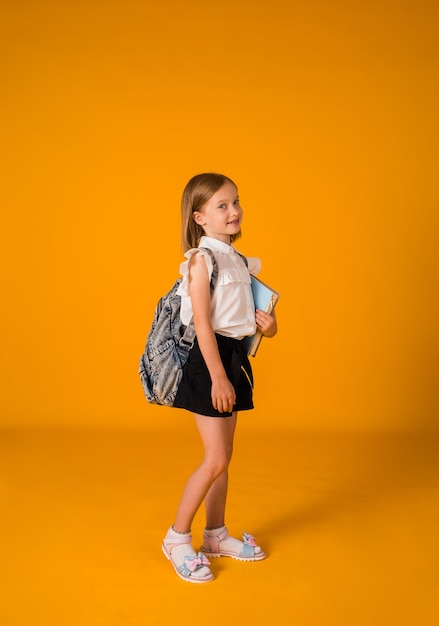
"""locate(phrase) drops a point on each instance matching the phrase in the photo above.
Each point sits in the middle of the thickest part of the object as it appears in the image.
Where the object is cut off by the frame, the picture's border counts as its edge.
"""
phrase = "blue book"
(265, 298)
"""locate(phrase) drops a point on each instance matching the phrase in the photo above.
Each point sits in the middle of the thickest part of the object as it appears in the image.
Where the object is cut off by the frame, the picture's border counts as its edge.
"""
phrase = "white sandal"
(191, 564)
(211, 547)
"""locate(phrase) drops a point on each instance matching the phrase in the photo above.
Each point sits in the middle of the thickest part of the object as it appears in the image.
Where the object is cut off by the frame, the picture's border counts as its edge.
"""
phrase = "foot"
(219, 543)
(187, 563)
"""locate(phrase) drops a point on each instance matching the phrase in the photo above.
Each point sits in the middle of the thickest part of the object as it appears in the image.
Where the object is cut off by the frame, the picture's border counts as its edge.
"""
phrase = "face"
(221, 216)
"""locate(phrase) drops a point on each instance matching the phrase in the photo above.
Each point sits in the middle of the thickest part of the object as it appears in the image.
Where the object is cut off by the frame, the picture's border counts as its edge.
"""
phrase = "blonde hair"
(197, 192)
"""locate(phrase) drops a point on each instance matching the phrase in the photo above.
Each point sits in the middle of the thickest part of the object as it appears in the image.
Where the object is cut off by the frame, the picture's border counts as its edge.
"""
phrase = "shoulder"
(197, 260)
(200, 256)
(200, 265)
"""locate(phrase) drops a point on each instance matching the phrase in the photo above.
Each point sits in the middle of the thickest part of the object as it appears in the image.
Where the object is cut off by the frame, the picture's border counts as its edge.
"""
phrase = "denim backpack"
(167, 346)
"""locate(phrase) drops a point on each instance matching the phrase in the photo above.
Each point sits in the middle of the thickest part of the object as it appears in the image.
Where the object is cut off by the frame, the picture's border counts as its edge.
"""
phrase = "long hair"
(197, 192)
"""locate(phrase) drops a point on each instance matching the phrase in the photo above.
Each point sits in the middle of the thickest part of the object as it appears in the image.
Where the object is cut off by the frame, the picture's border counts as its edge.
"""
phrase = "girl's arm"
(223, 393)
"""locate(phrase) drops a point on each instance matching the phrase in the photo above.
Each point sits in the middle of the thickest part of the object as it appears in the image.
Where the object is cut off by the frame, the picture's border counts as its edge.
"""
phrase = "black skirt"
(194, 391)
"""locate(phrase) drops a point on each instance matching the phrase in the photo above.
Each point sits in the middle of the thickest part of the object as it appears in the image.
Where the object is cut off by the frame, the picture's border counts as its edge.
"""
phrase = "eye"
(236, 201)
(222, 206)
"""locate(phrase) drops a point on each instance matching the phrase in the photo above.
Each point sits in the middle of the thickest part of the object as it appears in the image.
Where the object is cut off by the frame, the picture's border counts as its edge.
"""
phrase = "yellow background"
(325, 113)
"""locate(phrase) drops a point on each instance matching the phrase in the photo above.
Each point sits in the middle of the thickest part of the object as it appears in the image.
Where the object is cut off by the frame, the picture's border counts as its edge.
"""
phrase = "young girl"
(217, 377)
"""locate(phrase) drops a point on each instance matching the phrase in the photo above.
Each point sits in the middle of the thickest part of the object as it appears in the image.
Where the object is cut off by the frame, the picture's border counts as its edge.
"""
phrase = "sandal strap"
(215, 540)
(247, 550)
(170, 544)
(192, 564)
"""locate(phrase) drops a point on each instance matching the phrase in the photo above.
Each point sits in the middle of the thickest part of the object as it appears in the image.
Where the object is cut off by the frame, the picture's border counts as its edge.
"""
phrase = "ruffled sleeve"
(183, 289)
(254, 265)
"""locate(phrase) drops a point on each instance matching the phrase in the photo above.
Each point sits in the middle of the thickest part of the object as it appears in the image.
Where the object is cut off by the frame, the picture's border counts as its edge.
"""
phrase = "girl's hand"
(266, 323)
(223, 395)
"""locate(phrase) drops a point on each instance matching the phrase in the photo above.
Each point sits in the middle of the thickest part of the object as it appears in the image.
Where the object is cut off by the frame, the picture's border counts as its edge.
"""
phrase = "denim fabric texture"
(167, 347)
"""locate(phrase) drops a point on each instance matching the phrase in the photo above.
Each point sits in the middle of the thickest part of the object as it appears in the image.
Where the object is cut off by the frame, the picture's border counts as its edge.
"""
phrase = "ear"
(198, 218)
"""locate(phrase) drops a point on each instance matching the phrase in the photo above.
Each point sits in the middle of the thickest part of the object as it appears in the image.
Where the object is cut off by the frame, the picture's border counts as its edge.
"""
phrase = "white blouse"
(232, 306)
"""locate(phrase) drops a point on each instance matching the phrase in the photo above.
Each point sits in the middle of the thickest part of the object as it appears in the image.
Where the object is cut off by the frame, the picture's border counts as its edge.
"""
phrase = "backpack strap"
(214, 277)
(188, 337)
(244, 258)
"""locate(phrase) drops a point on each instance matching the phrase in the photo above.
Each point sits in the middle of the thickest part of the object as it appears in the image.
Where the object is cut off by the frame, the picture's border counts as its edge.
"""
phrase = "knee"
(224, 459)
(218, 466)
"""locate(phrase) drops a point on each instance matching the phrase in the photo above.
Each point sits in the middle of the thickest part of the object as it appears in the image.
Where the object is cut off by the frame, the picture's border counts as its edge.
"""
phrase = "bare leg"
(215, 500)
(209, 481)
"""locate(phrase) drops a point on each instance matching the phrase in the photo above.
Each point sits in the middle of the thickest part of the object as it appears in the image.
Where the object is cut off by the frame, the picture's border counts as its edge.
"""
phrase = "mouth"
(233, 223)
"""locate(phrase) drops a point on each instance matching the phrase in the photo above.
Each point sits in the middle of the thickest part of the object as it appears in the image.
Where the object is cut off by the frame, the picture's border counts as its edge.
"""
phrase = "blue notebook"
(265, 298)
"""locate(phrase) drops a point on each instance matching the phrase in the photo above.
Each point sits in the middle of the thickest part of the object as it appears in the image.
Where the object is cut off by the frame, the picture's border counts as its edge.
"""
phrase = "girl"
(217, 377)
